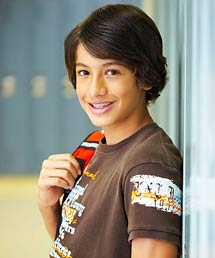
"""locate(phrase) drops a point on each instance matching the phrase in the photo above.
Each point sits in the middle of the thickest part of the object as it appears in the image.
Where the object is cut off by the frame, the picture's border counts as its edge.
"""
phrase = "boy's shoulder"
(153, 145)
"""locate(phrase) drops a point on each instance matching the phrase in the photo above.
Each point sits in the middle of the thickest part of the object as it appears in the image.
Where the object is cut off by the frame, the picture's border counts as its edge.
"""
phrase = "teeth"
(100, 105)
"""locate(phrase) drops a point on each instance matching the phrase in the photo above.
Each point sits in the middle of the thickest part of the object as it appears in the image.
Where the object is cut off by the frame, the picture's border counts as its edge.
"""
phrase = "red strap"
(87, 148)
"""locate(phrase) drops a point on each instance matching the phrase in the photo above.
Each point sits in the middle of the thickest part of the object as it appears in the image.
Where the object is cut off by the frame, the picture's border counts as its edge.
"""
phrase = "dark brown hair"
(125, 33)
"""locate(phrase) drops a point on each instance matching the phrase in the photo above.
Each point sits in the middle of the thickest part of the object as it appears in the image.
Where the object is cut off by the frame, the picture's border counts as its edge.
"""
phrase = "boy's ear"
(143, 86)
(146, 88)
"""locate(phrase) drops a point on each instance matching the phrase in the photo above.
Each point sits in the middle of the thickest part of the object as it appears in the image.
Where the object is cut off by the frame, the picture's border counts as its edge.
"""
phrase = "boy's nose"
(97, 87)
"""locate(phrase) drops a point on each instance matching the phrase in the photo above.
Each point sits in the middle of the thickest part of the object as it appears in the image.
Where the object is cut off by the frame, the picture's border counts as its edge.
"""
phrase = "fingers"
(61, 165)
(68, 158)
(60, 170)
(56, 177)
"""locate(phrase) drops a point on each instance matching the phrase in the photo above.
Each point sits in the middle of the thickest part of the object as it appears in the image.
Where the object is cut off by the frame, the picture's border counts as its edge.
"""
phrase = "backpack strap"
(83, 154)
(87, 148)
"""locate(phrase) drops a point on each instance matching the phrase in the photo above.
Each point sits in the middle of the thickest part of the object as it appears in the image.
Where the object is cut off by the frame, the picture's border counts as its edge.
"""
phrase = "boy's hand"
(58, 173)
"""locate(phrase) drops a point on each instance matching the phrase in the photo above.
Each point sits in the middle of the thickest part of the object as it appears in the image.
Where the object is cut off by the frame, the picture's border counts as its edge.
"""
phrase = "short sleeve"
(153, 202)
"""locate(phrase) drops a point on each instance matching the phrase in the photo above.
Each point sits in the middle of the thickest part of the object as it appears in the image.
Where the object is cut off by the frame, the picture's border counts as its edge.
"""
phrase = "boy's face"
(108, 92)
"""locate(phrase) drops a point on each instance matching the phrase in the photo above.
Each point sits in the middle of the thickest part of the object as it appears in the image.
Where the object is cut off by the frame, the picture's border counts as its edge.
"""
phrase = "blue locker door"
(14, 98)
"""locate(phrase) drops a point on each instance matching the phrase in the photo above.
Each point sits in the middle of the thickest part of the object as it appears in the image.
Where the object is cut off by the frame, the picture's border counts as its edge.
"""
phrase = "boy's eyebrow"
(80, 64)
(113, 63)
(105, 64)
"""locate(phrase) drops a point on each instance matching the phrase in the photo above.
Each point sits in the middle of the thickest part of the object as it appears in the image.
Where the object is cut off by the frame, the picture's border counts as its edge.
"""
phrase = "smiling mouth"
(100, 108)
(100, 105)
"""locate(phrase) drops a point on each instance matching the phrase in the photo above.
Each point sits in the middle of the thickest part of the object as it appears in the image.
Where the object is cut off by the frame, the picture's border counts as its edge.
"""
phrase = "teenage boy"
(127, 201)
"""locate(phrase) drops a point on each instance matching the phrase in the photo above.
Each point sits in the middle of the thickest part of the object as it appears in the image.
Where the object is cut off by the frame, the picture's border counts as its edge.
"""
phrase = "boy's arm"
(152, 248)
(50, 216)
(58, 174)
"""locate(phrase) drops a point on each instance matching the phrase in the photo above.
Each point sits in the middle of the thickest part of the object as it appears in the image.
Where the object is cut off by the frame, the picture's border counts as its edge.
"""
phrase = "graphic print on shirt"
(87, 173)
(160, 193)
(72, 210)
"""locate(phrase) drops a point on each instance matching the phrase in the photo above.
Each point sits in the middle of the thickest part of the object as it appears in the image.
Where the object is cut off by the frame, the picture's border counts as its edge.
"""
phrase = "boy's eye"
(112, 72)
(83, 73)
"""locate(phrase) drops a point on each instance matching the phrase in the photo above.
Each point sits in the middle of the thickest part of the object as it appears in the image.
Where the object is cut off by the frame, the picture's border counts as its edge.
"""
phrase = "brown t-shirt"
(129, 190)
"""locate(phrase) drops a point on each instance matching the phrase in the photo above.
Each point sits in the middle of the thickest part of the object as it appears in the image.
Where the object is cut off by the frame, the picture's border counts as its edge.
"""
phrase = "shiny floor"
(22, 233)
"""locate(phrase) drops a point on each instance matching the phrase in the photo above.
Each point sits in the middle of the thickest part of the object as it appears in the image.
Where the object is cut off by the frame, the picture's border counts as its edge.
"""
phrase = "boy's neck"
(115, 135)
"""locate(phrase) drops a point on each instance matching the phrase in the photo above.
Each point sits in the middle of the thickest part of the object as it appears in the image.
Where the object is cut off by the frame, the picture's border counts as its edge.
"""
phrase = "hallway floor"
(22, 231)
